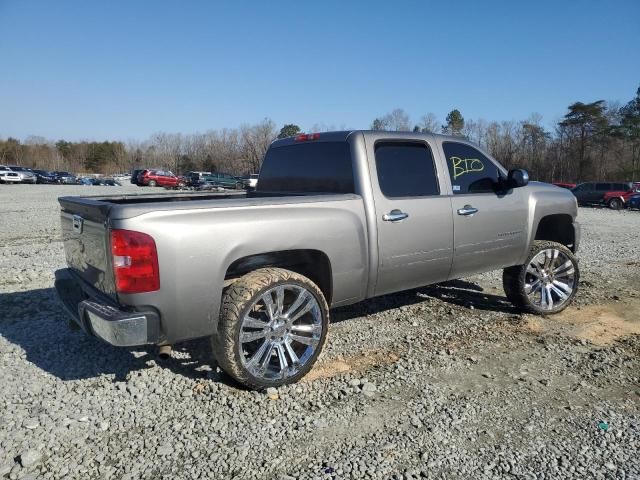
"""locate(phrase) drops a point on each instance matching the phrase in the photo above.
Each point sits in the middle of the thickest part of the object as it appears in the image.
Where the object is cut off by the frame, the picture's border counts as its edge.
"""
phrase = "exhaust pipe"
(165, 352)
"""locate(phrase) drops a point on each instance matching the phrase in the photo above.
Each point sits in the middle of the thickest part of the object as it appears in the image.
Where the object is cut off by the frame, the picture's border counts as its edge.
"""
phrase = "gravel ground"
(447, 381)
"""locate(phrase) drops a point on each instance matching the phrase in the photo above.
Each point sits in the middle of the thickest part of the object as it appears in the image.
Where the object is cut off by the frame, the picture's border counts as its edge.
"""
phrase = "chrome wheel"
(280, 332)
(550, 279)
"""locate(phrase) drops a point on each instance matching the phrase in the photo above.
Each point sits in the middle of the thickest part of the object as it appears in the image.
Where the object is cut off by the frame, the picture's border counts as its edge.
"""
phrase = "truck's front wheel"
(546, 282)
(273, 324)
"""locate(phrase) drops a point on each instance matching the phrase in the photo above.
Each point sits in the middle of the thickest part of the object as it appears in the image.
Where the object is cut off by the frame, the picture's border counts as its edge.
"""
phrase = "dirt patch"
(356, 363)
(599, 324)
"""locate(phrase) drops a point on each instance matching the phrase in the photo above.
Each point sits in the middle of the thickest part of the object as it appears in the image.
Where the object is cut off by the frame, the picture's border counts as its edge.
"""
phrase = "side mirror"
(518, 177)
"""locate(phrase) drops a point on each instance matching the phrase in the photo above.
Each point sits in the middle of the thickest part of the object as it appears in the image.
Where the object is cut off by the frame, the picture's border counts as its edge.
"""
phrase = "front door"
(414, 222)
(489, 226)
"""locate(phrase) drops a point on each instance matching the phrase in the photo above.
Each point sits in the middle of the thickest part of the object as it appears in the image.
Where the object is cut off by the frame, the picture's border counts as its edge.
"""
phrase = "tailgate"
(86, 241)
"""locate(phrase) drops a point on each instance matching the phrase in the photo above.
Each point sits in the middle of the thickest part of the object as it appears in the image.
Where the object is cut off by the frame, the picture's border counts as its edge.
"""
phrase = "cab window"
(406, 169)
(470, 171)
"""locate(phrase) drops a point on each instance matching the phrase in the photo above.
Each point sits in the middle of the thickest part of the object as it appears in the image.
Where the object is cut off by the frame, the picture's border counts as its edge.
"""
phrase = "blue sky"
(127, 69)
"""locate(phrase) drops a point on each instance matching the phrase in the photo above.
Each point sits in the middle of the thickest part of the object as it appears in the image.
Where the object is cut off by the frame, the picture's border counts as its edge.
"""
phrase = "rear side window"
(603, 187)
(405, 169)
(322, 167)
(470, 170)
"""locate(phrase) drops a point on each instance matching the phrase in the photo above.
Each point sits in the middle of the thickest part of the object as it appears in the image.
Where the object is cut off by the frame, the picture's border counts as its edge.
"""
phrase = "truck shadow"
(455, 292)
(35, 322)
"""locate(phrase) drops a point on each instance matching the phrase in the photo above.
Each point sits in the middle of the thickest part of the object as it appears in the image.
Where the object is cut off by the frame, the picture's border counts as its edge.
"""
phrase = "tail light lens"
(135, 262)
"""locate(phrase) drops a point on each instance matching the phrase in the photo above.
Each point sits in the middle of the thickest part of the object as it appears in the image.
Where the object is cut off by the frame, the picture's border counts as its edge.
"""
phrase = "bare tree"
(255, 141)
(396, 121)
(429, 123)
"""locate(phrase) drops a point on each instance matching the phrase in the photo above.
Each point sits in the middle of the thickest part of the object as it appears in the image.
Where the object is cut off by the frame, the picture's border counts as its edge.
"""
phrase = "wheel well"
(557, 228)
(313, 264)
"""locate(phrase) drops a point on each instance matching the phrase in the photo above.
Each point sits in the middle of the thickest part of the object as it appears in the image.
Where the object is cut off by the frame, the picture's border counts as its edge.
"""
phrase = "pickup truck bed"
(197, 237)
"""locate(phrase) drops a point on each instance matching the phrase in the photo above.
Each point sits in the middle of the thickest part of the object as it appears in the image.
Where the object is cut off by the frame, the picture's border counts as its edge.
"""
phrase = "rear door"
(489, 225)
(413, 214)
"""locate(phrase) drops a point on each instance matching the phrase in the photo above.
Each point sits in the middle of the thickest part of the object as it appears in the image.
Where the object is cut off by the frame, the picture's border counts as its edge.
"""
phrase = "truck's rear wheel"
(152, 183)
(273, 324)
(547, 281)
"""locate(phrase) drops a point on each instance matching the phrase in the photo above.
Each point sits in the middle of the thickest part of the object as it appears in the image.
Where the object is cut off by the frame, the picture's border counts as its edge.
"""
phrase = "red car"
(160, 178)
(618, 199)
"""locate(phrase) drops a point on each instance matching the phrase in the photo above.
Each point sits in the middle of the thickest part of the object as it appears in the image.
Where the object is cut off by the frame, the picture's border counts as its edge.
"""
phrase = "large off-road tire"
(273, 324)
(547, 282)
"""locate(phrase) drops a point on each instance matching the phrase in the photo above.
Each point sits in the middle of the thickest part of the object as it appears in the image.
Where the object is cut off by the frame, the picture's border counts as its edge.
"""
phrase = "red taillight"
(303, 137)
(135, 262)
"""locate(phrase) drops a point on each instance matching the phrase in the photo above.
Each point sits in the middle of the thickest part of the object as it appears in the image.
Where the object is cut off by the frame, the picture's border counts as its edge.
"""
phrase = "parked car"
(110, 182)
(592, 193)
(336, 218)
(44, 176)
(26, 174)
(87, 181)
(134, 176)
(568, 186)
(634, 202)
(193, 179)
(9, 177)
(15, 174)
(618, 199)
(250, 182)
(98, 181)
(159, 178)
(65, 177)
(225, 180)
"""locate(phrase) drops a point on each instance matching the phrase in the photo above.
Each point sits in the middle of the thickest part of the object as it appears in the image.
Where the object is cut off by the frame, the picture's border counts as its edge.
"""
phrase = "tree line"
(234, 150)
(593, 141)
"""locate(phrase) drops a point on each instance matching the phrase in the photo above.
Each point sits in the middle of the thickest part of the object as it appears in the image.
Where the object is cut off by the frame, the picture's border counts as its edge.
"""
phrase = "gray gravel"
(446, 381)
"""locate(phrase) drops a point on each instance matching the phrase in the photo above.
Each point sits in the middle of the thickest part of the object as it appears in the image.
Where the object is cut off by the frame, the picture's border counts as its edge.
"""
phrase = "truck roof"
(342, 135)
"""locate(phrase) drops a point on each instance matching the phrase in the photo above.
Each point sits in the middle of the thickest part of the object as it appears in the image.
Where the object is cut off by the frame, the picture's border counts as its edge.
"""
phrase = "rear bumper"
(100, 316)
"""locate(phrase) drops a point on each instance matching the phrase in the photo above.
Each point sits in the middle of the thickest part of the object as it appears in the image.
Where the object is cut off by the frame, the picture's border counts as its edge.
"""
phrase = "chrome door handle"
(467, 210)
(394, 216)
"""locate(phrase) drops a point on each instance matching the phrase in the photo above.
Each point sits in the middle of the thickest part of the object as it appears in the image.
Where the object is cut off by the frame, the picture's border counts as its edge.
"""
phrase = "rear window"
(323, 167)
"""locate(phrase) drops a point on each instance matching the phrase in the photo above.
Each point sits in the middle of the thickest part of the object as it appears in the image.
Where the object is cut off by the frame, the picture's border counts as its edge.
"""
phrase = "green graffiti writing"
(465, 165)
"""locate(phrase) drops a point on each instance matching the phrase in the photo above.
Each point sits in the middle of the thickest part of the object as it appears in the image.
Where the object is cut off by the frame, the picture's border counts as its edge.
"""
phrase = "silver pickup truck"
(336, 218)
